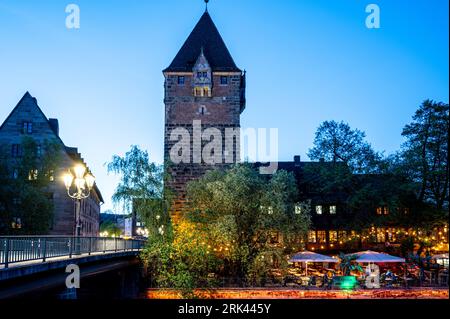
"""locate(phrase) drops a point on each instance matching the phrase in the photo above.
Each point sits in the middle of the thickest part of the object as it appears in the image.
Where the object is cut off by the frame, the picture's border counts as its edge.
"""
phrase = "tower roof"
(205, 35)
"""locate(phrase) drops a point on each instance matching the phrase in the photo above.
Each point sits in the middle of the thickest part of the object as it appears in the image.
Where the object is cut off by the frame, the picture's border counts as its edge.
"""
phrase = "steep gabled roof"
(205, 35)
(25, 97)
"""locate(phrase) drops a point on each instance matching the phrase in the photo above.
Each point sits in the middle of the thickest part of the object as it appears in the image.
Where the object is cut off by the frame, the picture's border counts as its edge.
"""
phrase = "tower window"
(223, 80)
(333, 210)
(181, 80)
(206, 92)
(202, 110)
(27, 127)
(198, 91)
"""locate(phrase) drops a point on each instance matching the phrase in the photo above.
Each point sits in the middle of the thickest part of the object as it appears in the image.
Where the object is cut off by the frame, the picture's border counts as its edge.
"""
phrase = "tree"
(424, 156)
(243, 210)
(141, 188)
(111, 228)
(25, 205)
(338, 142)
(183, 261)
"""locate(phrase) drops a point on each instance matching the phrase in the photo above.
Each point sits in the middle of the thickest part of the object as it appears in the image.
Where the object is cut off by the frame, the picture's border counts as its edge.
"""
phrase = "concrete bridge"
(31, 265)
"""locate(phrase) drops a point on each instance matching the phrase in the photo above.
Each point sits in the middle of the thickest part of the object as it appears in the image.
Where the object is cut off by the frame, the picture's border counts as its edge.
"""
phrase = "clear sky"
(307, 61)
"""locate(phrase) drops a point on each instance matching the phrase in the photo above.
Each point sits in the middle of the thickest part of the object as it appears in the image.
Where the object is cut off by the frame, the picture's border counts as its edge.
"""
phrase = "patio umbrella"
(369, 256)
(441, 259)
(308, 256)
(440, 256)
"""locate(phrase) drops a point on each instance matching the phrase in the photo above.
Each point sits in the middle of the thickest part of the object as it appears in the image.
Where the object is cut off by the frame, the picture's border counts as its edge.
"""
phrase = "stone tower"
(204, 98)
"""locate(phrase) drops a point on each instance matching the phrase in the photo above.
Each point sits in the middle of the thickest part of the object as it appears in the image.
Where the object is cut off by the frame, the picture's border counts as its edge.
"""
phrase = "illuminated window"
(342, 235)
(333, 210)
(298, 209)
(322, 236)
(206, 92)
(333, 236)
(319, 210)
(33, 175)
(312, 236)
(383, 210)
(198, 91)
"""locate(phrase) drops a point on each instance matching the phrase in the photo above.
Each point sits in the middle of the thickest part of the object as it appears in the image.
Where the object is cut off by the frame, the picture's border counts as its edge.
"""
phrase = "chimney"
(297, 160)
(54, 125)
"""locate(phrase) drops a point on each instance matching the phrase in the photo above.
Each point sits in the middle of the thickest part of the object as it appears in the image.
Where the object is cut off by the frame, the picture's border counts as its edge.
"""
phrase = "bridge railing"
(15, 249)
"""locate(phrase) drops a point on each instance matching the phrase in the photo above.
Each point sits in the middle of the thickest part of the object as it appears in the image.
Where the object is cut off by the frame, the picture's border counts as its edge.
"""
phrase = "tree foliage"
(141, 188)
(424, 156)
(338, 142)
(244, 210)
(26, 207)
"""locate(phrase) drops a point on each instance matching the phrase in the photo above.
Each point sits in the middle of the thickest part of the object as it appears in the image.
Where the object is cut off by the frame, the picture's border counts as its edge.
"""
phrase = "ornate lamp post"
(79, 183)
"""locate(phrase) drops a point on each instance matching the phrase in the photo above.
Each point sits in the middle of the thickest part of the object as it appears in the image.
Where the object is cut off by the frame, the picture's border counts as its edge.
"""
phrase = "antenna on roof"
(206, 8)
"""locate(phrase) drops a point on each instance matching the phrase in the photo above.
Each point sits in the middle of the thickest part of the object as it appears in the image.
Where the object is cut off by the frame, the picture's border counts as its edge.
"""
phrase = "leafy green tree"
(338, 142)
(424, 156)
(141, 188)
(25, 204)
(248, 209)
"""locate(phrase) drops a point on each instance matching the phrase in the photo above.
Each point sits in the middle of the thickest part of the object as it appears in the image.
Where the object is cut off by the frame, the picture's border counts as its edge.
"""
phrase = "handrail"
(16, 249)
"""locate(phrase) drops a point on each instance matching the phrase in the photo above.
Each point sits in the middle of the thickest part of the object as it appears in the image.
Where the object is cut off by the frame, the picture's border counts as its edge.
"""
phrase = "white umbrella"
(440, 256)
(369, 256)
(308, 256)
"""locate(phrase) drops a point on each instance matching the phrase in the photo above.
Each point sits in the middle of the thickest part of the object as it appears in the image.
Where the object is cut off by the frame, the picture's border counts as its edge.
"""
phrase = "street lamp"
(79, 183)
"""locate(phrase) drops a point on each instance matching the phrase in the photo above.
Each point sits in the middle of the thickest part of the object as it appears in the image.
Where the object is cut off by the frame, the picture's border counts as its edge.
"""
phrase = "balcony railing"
(16, 249)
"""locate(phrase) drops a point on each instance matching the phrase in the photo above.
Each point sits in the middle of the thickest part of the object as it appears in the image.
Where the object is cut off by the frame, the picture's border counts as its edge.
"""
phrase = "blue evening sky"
(307, 61)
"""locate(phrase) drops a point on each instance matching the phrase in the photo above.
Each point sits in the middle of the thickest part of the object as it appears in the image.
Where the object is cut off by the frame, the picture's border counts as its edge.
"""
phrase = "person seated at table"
(312, 281)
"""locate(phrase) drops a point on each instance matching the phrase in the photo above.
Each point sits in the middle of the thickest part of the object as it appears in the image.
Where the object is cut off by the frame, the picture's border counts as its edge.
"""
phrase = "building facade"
(204, 98)
(343, 218)
(28, 120)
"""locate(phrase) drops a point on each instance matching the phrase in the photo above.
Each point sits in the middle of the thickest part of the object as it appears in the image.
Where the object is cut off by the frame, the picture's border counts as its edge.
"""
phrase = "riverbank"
(282, 293)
